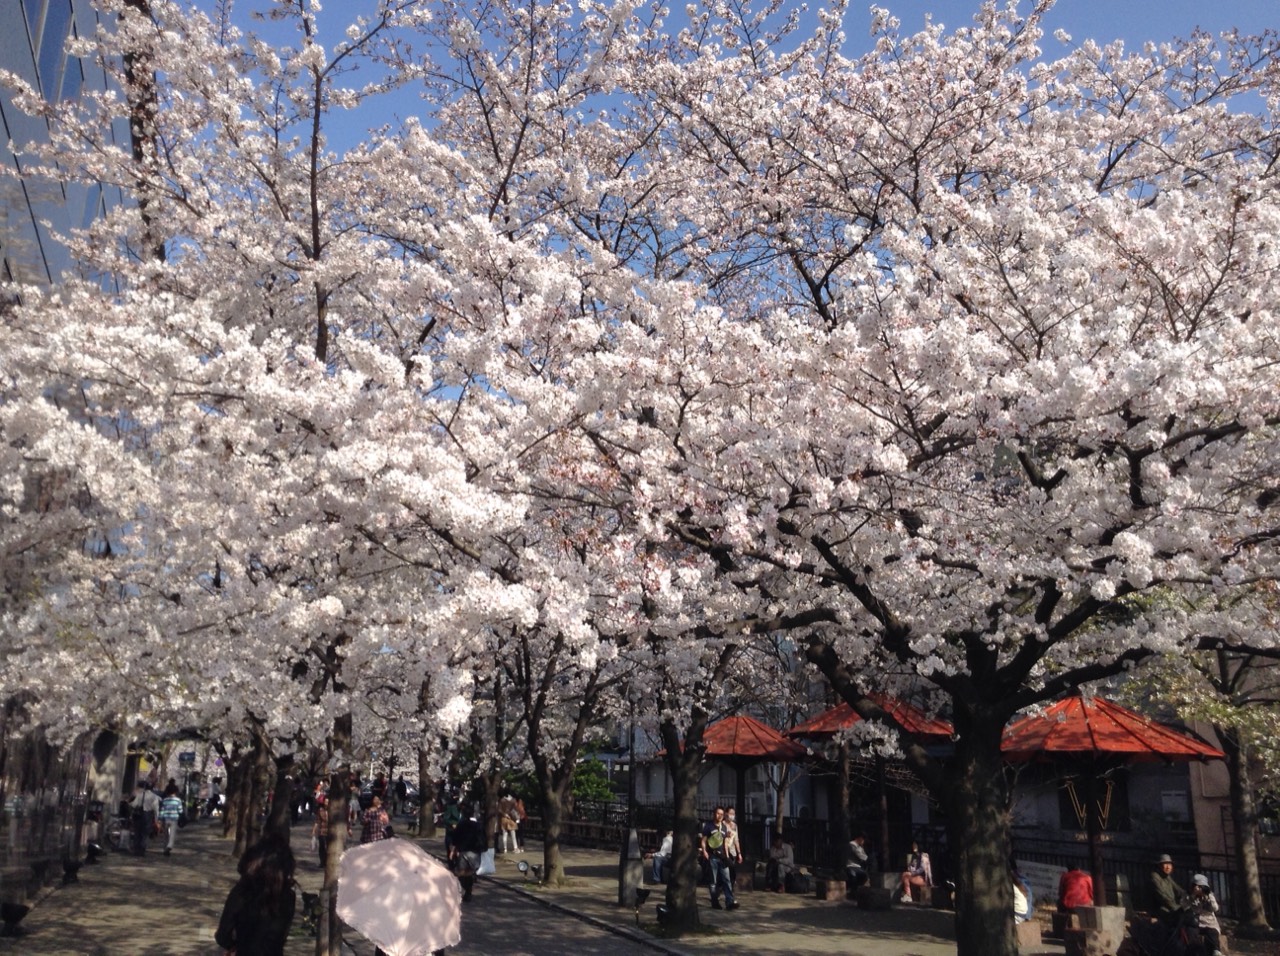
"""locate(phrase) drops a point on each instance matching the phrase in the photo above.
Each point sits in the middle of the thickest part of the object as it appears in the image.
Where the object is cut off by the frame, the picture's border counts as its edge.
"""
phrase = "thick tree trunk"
(882, 811)
(976, 800)
(492, 781)
(426, 795)
(1244, 816)
(280, 817)
(553, 815)
(329, 936)
(682, 887)
(844, 832)
(257, 778)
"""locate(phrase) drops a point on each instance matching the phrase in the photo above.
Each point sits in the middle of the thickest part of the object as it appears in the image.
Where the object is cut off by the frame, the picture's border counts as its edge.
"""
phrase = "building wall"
(46, 793)
(32, 45)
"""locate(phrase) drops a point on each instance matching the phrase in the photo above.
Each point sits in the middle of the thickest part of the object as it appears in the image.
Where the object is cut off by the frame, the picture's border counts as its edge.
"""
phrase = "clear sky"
(1134, 21)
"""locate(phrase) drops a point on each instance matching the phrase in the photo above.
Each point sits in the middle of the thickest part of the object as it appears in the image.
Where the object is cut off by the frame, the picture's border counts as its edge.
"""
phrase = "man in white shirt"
(662, 858)
(146, 807)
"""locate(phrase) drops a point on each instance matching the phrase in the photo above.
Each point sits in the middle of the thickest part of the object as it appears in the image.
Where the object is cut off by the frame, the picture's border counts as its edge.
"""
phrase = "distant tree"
(1238, 694)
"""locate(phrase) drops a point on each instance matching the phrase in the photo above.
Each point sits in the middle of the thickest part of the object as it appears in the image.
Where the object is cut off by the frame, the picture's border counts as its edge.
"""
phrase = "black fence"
(603, 824)
(1128, 873)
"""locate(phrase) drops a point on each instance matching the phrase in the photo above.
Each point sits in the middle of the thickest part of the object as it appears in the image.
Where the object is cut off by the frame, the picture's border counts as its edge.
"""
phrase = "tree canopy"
(652, 339)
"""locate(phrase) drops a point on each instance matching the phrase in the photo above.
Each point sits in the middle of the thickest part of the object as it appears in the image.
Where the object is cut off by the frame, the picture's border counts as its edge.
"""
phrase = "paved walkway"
(169, 906)
(764, 923)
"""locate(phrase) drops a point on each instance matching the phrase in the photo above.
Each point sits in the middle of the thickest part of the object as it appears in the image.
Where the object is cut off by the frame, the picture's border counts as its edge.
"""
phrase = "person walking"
(521, 816)
(401, 793)
(170, 816)
(145, 810)
(508, 823)
(374, 822)
(450, 819)
(259, 909)
(467, 846)
(320, 829)
(712, 846)
(732, 843)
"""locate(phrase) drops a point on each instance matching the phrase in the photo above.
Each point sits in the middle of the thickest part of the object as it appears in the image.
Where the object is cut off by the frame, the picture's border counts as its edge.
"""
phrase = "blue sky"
(1134, 21)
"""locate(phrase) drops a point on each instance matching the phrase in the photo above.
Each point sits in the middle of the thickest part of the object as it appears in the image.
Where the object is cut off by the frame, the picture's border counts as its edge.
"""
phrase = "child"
(1205, 907)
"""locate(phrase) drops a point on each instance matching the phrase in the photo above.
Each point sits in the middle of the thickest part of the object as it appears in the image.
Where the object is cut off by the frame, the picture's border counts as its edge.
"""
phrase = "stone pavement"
(150, 906)
(158, 906)
(764, 923)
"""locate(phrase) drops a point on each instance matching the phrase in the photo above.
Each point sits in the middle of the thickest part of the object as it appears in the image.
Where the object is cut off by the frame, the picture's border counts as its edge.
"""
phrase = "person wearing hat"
(1168, 898)
(1205, 906)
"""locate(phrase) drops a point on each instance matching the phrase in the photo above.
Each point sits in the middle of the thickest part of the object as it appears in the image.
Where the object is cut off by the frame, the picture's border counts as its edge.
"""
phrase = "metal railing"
(1128, 869)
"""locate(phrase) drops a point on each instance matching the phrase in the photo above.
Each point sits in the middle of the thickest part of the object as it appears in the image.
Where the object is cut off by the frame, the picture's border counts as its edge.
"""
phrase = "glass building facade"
(33, 36)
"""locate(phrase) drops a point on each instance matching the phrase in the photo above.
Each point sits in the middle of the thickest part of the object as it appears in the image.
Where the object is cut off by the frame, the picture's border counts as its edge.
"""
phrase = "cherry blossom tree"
(936, 360)
(1237, 693)
(995, 359)
(296, 431)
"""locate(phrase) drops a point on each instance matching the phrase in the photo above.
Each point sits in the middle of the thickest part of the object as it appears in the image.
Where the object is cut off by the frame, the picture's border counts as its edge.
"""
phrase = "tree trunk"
(426, 795)
(233, 765)
(257, 777)
(882, 809)
(844, 831)
(682, 887)
(779, 811)
(553, 816)
(280, 816)
(1244, 817)
(976, 801)
(492, 781)
(144, 106)
(329, 935)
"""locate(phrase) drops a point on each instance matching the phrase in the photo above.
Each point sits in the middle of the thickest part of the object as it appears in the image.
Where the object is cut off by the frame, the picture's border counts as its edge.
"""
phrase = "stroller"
(1152, 937)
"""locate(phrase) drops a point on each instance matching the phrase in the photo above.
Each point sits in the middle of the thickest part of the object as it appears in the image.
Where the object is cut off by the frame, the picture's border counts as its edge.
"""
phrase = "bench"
(1029, 934)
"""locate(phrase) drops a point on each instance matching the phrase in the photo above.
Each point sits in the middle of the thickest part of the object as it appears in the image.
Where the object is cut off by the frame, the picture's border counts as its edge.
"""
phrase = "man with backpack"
(716, 846)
